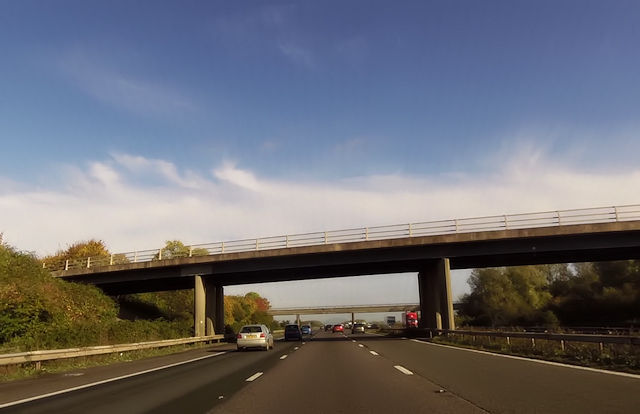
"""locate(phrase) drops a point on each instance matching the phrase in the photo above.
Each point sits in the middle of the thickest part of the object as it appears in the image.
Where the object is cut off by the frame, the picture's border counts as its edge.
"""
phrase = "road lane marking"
(403, 369)
(353, 340)
(374, 353)
(539, 361)
(93, 384)
(303, 343)
(254, 377)
(283, 356)
(296, 348)
(361, 346)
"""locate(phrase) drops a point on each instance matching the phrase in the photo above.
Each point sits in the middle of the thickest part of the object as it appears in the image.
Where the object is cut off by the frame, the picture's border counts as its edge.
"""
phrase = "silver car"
(255, 336)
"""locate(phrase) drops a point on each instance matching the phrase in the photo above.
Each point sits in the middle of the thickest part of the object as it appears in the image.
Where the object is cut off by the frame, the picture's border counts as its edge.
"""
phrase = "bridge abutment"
(208, 307)
(436, 304)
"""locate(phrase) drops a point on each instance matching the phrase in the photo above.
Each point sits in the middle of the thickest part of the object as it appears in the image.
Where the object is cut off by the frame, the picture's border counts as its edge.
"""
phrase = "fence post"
(533, 342)
(410, 231)
(257, 244)
(508, 341)
(135, 257)
(506, 223)
(111, 260)
(286, 240)
(559, 220)
(88, 262)
(325, 237)
(160, 254)
(366, 233)
(221, 247)
(562, 344)
(190, 251)
(66, 264)
(615, 210)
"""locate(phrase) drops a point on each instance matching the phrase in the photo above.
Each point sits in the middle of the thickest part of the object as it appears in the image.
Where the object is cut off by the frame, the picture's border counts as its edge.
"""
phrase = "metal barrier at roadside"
(51, 354)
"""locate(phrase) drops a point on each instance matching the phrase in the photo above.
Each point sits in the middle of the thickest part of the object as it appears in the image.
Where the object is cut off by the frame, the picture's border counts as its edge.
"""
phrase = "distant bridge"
(398, 307)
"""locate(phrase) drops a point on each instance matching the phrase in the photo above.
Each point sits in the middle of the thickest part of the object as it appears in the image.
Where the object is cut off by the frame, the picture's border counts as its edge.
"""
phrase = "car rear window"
(291, 328)
(251, 329)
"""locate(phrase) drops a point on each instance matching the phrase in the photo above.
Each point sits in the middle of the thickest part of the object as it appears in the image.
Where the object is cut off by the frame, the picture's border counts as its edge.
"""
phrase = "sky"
(140, 122)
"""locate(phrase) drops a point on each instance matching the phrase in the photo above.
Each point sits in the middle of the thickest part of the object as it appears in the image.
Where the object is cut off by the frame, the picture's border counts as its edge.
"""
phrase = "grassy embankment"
(615, 357)
(38, 312)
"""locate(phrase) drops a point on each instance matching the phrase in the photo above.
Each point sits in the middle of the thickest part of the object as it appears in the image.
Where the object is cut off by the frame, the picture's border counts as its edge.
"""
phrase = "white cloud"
(107, 200)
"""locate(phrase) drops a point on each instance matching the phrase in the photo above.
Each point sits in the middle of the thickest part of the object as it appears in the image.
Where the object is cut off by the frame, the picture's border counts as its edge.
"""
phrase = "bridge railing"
(427, 228)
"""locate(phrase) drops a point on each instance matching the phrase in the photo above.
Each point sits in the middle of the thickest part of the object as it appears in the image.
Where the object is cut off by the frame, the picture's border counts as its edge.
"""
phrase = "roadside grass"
(33, 370)
(613, 357)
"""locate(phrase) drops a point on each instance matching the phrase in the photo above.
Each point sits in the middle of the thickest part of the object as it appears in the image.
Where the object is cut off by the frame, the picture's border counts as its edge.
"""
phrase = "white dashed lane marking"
(403, 369)
(373, 353)
(283, 356)
(254, 377)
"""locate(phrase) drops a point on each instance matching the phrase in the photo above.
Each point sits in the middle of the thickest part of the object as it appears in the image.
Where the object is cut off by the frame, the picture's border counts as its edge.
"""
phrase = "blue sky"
(139, 122)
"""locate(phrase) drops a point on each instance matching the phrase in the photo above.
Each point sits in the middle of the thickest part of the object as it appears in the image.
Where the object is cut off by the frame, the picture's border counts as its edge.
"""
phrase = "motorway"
(331, 373)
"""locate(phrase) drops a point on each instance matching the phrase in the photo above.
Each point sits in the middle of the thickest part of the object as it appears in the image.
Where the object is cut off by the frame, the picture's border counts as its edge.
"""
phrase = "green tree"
(508, 296)
(175, 248)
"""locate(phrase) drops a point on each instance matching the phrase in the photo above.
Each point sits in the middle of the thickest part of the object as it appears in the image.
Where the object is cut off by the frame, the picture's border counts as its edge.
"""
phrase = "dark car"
(292, 333)
(358, 328)
(327, 327)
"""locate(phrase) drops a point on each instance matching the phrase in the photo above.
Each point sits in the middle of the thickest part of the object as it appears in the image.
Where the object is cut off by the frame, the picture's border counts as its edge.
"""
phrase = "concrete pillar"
(436, 304)
(353, 319)
(219, 310)
(199, 302)
(298, 319)
(208, 307)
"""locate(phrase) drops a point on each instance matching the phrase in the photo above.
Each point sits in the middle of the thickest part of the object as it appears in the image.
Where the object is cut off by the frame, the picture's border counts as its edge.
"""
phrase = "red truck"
(410, 319)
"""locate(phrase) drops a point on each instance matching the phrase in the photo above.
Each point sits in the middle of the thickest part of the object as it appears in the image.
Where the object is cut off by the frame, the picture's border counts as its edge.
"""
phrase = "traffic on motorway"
(386, 374)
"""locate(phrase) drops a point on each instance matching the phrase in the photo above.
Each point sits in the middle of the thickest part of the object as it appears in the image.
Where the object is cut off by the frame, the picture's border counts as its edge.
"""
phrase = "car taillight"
(239, 336)
(262, 335)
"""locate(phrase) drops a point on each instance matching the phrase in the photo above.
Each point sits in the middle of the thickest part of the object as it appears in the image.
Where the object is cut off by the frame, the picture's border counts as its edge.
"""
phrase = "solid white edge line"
(93, 384)
(403, 369)
(283, 356)
(374, 353)
(254, 377)
(539, 361)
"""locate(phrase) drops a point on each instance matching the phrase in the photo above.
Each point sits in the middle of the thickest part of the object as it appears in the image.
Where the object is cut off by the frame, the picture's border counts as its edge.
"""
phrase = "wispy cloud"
(124, 91)
(107, 199)
(297, 54)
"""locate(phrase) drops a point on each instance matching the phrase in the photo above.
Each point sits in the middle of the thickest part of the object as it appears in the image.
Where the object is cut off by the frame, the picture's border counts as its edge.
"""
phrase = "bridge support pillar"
(353, 319)
(436, 304)
(208, 307)
(298, 319)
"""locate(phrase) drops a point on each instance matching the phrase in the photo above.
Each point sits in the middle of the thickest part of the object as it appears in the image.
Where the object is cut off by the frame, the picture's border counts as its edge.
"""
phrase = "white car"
(254, 336)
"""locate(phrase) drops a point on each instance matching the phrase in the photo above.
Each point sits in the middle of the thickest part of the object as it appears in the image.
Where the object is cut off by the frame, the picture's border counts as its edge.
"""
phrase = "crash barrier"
(51, 354)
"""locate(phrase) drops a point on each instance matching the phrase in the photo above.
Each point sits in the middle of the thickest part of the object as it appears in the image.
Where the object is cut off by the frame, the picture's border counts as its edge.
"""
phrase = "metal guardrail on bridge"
(429, 228)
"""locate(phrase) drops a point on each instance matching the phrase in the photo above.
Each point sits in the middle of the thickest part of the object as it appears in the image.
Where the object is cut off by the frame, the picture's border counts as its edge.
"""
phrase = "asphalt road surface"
(332, 373)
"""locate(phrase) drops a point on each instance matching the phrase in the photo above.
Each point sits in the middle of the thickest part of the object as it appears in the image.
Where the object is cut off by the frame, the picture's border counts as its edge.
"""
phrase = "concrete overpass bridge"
(430, 248)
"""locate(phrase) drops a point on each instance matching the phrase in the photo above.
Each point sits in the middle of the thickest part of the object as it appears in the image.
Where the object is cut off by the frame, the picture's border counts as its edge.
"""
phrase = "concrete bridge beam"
(436, 304)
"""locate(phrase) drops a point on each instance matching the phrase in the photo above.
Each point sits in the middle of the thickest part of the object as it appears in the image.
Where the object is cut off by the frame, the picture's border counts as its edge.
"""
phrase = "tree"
(175, 248)
(508, 296)
(95, 249)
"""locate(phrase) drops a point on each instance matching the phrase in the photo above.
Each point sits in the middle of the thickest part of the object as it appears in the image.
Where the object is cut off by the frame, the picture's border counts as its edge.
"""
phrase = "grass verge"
(612, 357)
(30, 370)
